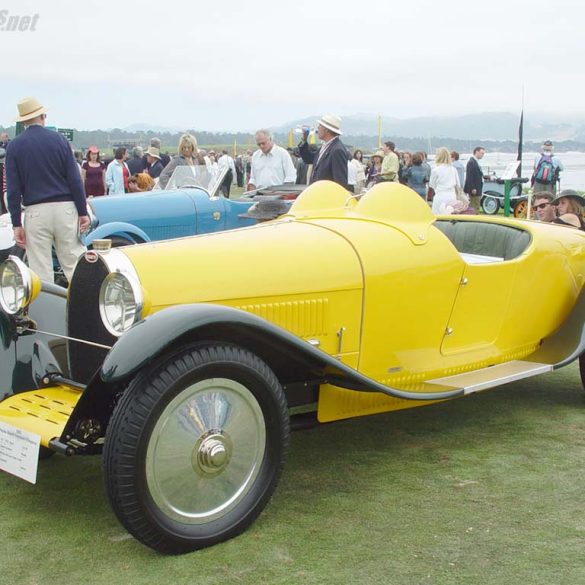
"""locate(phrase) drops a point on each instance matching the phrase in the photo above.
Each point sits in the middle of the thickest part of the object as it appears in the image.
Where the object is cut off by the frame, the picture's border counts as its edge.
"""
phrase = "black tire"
(166, 431)
(582, 369)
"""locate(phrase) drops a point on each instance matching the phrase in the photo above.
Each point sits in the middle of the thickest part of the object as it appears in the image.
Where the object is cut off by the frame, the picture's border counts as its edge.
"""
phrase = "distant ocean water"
(573, 177)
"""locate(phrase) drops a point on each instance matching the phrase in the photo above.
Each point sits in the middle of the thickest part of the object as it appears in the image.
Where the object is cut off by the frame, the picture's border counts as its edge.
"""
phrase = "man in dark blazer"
(331, 160)
(474, 178)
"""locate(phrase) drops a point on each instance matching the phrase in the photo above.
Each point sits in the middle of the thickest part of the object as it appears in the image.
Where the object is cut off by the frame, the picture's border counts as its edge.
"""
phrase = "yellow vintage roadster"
(186, 362)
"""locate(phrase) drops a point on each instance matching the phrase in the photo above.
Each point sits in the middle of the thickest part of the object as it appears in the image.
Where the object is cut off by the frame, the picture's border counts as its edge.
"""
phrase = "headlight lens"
(121, 302)
(16, 285)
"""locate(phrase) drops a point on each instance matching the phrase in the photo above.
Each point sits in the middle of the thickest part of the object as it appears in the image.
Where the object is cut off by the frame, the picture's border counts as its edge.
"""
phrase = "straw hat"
(154, 152)
(331, 122)
(379, 153)
(29, 108)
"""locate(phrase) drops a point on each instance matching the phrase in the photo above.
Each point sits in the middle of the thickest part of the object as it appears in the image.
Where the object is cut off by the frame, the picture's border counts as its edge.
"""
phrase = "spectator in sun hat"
(374, 169)
(93, 173)
(165, 159)
(155, 166)
(330, 161)
(42, 175)
(570, 206)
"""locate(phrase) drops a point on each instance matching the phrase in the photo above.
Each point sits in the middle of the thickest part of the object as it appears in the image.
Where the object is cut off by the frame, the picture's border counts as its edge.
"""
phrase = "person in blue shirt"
(458, 166)
(416, 176)
(42, 175)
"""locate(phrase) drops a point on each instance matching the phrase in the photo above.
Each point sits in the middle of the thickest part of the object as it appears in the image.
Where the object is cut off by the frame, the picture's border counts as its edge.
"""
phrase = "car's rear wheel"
(195, 448)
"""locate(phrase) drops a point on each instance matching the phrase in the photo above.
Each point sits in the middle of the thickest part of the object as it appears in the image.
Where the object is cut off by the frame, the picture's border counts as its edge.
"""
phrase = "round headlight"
(121, 302)
(16, 285)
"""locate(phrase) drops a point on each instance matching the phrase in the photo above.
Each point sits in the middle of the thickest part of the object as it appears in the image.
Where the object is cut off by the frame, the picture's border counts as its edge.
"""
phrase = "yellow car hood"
(276, 258)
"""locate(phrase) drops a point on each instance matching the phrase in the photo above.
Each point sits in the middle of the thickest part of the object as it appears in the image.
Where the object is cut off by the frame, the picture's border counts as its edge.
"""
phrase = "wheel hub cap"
(212, 454)
(205, 451)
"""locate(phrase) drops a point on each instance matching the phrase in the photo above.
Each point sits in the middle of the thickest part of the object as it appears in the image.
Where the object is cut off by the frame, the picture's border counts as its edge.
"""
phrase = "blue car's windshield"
(208, 177)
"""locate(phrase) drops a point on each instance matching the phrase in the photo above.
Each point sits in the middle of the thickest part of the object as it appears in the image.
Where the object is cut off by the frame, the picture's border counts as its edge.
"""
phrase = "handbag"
(460, 195)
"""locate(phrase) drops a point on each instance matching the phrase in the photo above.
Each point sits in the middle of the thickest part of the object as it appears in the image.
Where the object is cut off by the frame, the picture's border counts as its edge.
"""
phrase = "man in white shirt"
(271, 165)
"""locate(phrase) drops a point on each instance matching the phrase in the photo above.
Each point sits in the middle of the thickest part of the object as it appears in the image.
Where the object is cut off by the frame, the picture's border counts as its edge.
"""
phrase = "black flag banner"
(520, 140)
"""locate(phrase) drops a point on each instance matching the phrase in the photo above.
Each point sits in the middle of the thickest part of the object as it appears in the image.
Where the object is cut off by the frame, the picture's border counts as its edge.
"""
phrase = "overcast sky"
(240, 65)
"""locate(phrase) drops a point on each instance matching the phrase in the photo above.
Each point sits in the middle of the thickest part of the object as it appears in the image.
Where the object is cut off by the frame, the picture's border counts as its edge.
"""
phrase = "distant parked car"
(191, 204)
(493, 197)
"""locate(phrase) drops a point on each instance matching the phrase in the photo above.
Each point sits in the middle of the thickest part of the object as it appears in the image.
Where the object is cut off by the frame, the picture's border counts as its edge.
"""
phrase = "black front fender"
(292, 358)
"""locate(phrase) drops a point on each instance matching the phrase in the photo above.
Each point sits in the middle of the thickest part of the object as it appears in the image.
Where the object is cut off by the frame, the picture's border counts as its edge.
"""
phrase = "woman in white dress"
(444, 179)
(358, 163)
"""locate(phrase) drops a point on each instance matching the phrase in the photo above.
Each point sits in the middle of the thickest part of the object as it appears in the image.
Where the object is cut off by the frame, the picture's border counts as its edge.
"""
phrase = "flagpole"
(519, 157)
(379, 131)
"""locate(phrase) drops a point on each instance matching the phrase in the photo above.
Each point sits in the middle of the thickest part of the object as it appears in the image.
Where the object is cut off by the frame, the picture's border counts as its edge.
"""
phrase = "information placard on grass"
(19, 452)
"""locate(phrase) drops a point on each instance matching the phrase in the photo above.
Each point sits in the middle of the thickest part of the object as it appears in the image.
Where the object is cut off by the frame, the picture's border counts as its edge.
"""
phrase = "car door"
(480, 307)
(210, 212)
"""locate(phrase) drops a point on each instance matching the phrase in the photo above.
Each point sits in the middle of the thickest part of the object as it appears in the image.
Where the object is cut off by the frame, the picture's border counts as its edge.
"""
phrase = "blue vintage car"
(190, 204)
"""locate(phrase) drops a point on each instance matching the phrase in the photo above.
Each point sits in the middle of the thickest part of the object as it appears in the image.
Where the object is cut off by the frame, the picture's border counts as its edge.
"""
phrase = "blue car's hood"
(146, 210)
(162, 215)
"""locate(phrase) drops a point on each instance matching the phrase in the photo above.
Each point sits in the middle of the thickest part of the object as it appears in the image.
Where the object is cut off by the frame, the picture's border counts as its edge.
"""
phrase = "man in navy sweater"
(42, 175)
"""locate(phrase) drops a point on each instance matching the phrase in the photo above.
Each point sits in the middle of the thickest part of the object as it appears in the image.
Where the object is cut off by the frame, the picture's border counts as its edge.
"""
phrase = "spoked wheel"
(490, 205)
(195, 448)
(520, 209)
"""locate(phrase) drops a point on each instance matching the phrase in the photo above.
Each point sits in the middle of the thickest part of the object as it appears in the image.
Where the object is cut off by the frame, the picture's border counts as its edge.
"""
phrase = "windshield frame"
(217, 181)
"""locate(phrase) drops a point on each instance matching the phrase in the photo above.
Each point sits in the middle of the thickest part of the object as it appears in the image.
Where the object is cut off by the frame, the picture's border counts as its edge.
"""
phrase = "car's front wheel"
(195, 448)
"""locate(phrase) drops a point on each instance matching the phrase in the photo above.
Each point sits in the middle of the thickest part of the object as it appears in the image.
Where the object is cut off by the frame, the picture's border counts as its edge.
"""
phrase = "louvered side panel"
(306, 318)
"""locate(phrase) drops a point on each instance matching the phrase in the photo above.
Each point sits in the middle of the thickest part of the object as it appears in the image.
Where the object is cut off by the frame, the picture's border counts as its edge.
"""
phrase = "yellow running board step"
(44, 412)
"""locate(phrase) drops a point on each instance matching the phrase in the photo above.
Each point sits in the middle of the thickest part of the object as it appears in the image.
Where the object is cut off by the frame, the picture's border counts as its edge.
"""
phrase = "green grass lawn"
(484, 490)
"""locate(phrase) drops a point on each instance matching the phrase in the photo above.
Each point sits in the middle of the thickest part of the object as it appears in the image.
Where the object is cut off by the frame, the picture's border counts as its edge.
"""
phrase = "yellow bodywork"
(376, 284)
(44, 412)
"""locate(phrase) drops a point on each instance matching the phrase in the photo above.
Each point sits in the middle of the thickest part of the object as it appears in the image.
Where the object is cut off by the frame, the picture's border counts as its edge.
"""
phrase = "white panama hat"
(331, 122)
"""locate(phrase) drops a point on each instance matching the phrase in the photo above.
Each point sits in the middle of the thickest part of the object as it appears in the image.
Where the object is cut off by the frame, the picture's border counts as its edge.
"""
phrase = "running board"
(485, 378)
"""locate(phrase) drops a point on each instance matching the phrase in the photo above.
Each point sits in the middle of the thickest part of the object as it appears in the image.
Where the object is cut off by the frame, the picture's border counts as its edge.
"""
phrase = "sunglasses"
(541, 206)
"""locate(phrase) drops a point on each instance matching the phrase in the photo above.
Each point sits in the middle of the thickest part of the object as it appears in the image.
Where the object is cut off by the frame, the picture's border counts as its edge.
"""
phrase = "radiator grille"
(84, 320)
